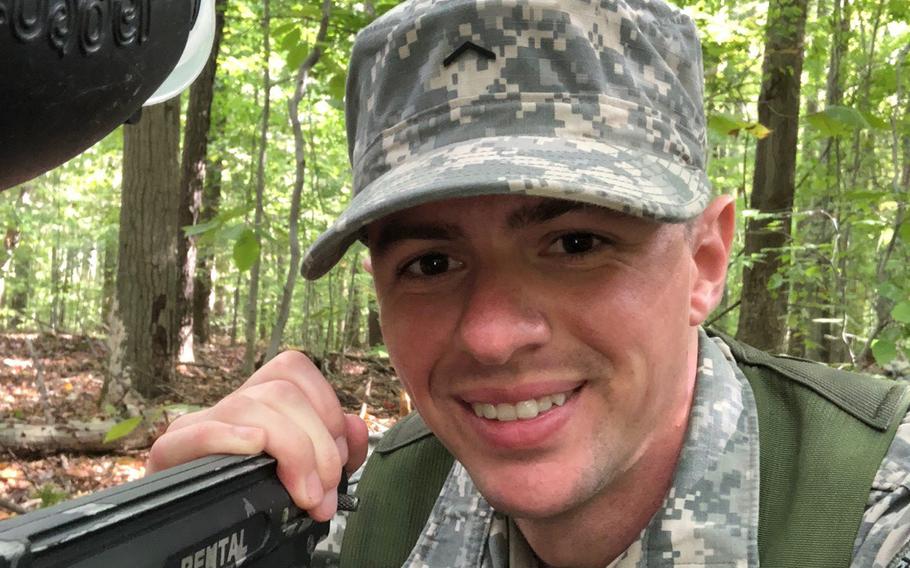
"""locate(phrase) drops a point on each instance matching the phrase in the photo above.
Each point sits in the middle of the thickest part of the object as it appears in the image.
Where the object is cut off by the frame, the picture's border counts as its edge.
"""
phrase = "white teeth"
(524, 410)
(506, 412)
(489, 411)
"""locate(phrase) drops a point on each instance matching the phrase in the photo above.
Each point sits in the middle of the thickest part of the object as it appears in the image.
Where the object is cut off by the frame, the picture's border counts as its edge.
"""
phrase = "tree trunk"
(821, 227)
(235, 310)
(55, 281)
(374, 331)
(68, 269)
(145, 324)
(303, 72)
(192, 181)
(249, 354)
(351, 335)
(762, 318)
(109, 273)
(10, 241)
(204, 287)
(21, 289)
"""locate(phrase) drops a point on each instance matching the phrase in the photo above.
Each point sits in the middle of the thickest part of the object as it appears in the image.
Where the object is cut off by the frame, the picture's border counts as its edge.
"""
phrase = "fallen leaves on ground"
(73, 372)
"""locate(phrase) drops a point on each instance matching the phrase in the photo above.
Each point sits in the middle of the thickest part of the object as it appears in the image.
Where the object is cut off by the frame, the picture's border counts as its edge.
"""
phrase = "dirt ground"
(73, 371)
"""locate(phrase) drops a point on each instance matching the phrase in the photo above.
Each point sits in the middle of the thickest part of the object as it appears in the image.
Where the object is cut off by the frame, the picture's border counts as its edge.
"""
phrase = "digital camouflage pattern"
(883, 540)
(710, 515)
(590, 100)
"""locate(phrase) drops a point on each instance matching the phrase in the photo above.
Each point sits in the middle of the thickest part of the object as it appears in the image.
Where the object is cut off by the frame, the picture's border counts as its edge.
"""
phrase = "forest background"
(155, 271)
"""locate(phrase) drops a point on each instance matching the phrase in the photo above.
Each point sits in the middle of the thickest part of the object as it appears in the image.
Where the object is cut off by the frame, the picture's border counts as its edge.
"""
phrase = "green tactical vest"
(822, 436)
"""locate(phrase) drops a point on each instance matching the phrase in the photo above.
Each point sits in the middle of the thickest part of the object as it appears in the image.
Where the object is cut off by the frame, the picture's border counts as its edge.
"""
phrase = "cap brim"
(624, 179)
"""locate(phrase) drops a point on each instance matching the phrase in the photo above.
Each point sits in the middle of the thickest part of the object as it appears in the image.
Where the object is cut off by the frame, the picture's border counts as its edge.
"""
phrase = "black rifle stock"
(215, 512)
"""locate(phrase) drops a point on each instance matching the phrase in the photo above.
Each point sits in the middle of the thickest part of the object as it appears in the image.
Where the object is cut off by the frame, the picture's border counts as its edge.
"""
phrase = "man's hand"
(288, 410)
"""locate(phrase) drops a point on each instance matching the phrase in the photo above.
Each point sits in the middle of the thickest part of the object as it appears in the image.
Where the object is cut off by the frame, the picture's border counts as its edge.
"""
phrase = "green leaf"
(874, 120)
(297, 54)
(884, 351)
(291, 40)
(246, 250)
(234, 232)
(728, 125)
(337, 86)
(121, 429)
(901, 312)
(837, 121)
(905, 232)
(191, 230)
(775, 282)
(891, 291)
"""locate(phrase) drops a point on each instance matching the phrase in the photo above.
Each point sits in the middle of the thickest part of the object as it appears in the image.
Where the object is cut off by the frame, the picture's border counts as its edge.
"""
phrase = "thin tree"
(762, 317)
(249, 353)
(204, 285)
(300, 83)
(192, 180)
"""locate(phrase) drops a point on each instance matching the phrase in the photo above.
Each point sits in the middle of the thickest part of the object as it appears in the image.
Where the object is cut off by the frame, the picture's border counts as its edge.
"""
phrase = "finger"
(189, 419)
(285, 441)
(285, 398)
(204, 439)
(358, 438)
(295, 367)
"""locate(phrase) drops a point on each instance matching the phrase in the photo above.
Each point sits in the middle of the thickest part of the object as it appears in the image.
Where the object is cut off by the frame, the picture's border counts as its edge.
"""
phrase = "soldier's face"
(570, 330)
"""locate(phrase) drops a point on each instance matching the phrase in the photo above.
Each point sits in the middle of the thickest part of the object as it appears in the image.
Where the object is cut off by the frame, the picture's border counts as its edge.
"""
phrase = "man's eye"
(575, 243)
(432, 264)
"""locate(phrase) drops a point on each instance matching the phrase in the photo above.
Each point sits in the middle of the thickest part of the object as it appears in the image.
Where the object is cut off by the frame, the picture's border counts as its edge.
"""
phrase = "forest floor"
(73, 371)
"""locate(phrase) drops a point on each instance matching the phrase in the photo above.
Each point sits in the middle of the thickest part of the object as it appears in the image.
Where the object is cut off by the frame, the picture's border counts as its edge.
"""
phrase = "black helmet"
(71, 71)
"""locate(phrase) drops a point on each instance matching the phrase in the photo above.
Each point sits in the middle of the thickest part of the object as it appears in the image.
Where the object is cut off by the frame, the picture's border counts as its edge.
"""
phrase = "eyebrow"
(547, 211)
(396, 232)
(521, 218)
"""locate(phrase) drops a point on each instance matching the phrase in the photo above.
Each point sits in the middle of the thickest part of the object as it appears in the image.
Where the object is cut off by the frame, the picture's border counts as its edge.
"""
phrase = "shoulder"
(883, 539)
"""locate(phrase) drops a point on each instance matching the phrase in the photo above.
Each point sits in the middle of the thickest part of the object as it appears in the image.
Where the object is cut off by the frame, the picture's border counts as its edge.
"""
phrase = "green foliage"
(122, 429)
(246, 250)
(901, 312)
(884, 351)
(50, 495)
(729, 125)
(127, 426)
(839, 121)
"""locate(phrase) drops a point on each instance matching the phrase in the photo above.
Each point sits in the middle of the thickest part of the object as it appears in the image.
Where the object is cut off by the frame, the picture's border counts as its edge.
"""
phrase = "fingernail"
(342, 445)
(314, 488)
(330, 501)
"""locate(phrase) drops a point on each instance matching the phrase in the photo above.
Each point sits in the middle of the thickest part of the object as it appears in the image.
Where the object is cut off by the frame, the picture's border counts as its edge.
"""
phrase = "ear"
(711, 240)
(367, 264)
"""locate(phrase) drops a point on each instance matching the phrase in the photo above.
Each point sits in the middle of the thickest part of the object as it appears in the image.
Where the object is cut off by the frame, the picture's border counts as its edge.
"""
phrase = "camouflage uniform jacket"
(710, 515)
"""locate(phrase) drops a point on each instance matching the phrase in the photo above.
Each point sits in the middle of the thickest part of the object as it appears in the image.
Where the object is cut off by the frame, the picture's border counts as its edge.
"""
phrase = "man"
(529, 178)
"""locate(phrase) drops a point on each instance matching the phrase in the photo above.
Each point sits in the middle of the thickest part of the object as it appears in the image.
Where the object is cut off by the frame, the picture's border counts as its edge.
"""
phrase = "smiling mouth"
(523, 410)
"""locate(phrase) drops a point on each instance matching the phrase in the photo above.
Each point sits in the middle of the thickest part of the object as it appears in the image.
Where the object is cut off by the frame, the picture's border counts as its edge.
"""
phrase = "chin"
(526, 501)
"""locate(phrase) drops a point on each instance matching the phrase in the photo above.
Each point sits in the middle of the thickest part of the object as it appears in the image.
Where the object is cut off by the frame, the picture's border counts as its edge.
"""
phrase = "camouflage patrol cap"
(590, 100)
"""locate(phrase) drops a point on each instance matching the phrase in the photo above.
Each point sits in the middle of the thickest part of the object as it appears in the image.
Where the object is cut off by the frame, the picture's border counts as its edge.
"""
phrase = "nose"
(499, 319)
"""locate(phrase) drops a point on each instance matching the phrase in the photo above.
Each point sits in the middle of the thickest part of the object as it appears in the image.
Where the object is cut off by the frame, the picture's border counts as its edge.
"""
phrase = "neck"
(597, 531)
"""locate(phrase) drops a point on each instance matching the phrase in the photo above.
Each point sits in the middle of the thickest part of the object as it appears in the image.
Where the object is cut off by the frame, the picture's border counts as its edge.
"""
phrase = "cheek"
(415, 333)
